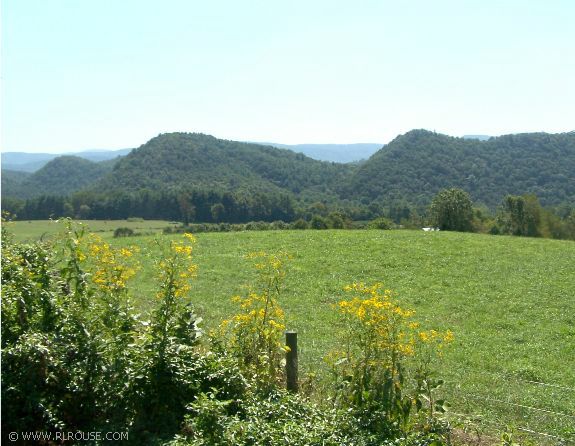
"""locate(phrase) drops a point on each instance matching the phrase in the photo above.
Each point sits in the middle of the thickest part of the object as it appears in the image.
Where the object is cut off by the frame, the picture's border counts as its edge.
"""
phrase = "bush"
(381, 223)
(279, 418)
(300, 223)
(255, 335)
(279, 225)
(71, 335)
(370, 370)
(257, 226)
(337, 220)
(76, 357)
(224, 227)
(123, 232)
(318, 222)
(196, 228)
(359, 225)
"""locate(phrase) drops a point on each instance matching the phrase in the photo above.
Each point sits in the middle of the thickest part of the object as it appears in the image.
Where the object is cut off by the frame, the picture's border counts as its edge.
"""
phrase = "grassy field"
(35, 229)
(509, 301)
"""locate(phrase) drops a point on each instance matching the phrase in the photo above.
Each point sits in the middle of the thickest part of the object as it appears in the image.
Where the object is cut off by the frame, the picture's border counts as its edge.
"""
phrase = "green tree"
(218, 210)
(300, 223)
(380, 223)
(521, 215)
(318, 222)
(187, 209)
(84, 211)
(452, 210)
(337, 220)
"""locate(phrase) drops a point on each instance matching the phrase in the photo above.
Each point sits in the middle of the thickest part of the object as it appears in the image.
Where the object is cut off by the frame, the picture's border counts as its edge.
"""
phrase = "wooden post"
(291, 361)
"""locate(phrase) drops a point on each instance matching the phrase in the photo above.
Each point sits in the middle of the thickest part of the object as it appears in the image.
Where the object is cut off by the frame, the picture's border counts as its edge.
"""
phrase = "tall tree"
(452, 210)
(520, 215)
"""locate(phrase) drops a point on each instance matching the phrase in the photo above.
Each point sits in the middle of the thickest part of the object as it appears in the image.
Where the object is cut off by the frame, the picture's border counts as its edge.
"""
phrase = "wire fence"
(568, 419)
(511, 376)
(523, 406)
(555, 439)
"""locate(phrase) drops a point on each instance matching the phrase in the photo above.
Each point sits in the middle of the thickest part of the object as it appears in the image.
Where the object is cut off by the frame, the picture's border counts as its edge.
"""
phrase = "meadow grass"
(27, 230)
(510, 302)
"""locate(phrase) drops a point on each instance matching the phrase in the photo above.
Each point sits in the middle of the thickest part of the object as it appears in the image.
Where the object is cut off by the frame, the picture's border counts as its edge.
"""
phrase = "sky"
(110, 74)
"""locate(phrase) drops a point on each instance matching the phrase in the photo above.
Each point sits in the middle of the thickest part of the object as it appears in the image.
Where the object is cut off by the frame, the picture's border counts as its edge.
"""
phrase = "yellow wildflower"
(190, 237)
(125, 252)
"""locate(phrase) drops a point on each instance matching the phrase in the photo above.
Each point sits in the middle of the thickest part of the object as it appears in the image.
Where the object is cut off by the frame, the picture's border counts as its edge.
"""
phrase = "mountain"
(25, 162)
(63, 175)
(195, 172)
(12, 180)
(338, 153)
(416, 165)
(176, 160)
(31, 162)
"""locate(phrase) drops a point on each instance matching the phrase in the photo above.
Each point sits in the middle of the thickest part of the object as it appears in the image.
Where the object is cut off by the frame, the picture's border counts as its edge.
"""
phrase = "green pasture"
(510, 302)
(35, 229)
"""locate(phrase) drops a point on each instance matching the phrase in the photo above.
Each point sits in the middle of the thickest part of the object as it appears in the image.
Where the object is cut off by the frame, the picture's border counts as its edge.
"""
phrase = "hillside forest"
(196, 178)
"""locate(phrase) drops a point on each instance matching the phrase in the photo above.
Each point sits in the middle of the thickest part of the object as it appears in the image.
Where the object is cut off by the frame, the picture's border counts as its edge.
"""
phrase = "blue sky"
(110, 74)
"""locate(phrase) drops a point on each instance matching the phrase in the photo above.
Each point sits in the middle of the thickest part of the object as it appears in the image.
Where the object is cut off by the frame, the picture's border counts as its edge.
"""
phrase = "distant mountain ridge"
(479, 137)
(60, 176)
(31, 162)
(338, 153)
(410, 169)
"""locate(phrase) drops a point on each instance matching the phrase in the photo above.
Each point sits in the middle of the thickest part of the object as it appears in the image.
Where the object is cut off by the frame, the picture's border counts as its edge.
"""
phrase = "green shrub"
(370, 368)
(318, 222)
(224, 227)
(337, 220)
(279, 225)
(257, 226)
(280, 418)
(123, 232)
(381, 223)
(300, 223)
(67, 329)
(76, 357)
(254, 336)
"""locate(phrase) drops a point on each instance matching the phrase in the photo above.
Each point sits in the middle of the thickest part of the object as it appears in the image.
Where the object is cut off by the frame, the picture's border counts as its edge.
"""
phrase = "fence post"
(291, 361)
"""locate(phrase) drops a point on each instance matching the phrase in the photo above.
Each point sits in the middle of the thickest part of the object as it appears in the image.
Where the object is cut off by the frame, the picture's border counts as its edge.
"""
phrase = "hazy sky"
(109, 74)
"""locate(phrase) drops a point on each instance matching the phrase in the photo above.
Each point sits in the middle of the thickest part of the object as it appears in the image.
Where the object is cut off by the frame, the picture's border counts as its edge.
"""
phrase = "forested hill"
(12, 180)
(195, 160)
(416, 165)
(61, 176)
(411, 170)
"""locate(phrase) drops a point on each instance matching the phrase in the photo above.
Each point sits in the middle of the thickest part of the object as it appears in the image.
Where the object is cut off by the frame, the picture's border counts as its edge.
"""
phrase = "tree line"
(187, 206)
(520, 215)
(451, 209)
